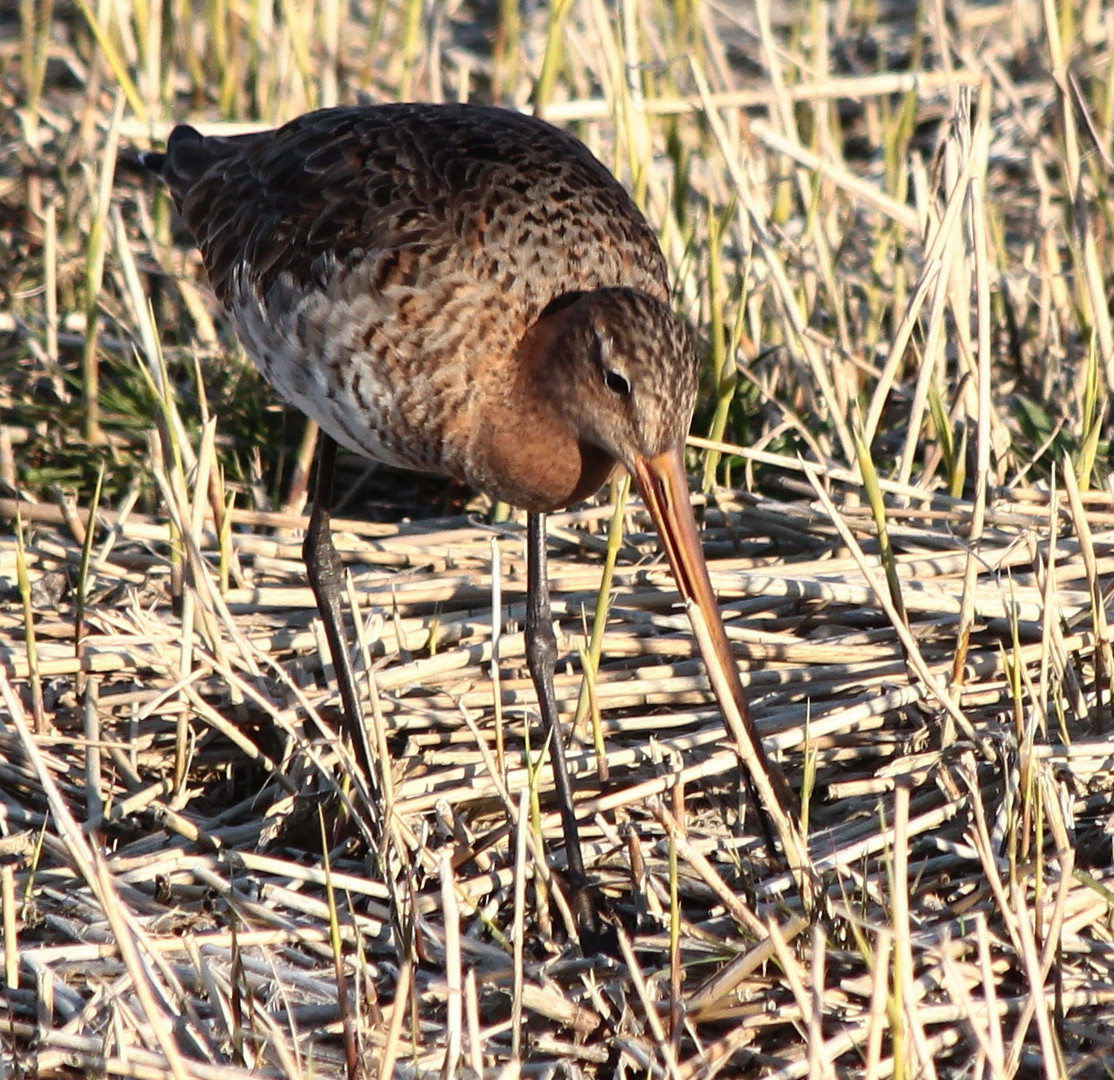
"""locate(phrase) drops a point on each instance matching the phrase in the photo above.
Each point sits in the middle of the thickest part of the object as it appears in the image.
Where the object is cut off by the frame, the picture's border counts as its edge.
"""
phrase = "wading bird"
(467, 291)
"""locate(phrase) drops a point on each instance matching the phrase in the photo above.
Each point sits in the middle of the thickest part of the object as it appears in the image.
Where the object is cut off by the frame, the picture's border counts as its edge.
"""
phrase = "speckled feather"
(444, 287)
(467, 291)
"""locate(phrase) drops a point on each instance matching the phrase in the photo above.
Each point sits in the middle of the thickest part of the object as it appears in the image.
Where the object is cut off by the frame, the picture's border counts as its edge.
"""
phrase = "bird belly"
(329, 353)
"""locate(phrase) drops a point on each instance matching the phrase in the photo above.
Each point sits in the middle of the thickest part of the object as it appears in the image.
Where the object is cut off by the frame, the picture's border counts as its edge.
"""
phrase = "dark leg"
(541, 658)
(326, 578)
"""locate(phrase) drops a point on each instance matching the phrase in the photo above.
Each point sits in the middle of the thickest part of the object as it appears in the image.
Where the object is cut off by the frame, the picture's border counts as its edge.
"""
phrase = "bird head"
(622, 366)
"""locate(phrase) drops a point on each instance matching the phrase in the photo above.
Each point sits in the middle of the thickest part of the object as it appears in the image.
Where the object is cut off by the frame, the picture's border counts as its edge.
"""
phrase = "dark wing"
(507, 198)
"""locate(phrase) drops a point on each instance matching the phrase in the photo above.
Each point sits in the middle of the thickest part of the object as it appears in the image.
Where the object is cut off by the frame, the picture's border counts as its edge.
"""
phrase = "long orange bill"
(663, 485)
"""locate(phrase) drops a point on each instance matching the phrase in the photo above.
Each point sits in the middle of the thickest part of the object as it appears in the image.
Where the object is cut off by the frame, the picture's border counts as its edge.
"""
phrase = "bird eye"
(601, 346)
(616, 383)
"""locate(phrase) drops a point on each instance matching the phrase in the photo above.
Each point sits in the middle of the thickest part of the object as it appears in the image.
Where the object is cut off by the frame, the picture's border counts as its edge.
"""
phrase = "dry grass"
(890, 229)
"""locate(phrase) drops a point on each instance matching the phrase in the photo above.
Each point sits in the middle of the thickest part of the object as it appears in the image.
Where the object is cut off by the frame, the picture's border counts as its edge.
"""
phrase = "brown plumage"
(467, 291)
(425, 282)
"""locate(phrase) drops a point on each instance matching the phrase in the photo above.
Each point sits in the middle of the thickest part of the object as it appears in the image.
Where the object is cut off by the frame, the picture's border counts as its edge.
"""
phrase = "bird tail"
(186, 158)
(152, 160)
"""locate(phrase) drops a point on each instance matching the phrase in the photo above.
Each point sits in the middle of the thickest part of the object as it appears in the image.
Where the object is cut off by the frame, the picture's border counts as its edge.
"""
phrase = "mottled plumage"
(408, 274)
(467, 291)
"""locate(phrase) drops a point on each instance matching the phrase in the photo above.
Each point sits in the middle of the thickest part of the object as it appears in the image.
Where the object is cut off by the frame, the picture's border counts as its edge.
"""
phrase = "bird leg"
(541, 658)
(326, 577)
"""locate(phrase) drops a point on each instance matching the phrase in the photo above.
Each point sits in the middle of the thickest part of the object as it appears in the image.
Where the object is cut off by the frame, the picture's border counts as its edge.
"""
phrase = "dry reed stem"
(162, 867)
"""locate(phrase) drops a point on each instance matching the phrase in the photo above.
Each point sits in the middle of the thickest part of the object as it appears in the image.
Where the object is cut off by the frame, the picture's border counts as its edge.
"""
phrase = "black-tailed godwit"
(467, 291)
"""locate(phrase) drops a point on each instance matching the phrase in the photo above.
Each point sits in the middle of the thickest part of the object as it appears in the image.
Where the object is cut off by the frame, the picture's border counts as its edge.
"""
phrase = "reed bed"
(888, 225)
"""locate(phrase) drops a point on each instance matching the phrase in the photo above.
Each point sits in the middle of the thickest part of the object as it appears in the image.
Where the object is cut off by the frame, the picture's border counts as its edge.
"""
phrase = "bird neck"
(529, 452)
